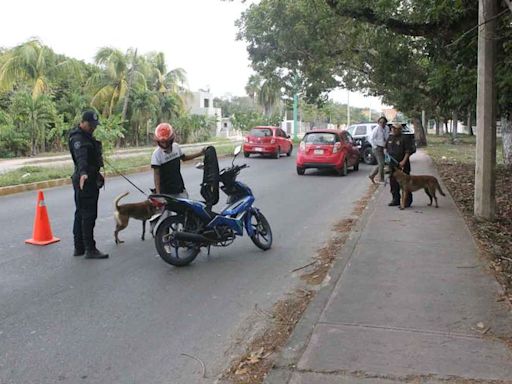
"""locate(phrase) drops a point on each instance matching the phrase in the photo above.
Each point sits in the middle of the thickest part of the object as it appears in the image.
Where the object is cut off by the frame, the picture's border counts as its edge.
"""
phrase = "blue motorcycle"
(185, 226)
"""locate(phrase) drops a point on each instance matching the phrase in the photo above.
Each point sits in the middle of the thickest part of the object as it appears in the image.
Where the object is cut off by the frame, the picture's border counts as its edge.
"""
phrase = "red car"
(327, 148)
(268, 141)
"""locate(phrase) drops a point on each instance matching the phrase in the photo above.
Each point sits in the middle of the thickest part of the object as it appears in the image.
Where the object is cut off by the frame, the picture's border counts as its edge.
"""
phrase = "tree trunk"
(455, 122)
(506, 137)
(438, 125)
(445, 121)
(128, 87)
(470, 122)
(419, 132)
(127, 96)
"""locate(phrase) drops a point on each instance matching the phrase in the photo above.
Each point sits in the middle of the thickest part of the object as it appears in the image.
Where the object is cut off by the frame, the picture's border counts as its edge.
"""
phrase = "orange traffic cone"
(42, 233)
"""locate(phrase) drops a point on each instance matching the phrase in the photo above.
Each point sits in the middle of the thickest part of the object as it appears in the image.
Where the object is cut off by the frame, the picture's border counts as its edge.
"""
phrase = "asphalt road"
(128, 319)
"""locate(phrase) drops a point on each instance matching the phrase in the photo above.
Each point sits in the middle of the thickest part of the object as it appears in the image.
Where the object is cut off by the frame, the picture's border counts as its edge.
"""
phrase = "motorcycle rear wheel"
(177, 253)
(262, 237)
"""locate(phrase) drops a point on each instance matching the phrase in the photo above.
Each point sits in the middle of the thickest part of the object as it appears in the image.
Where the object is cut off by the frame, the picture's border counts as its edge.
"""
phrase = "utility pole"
(348, 108)
(295, 113)
(485, 163)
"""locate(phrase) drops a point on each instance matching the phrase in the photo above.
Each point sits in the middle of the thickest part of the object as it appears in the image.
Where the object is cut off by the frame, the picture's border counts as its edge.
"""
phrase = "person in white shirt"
(378, 141)
(166, 162)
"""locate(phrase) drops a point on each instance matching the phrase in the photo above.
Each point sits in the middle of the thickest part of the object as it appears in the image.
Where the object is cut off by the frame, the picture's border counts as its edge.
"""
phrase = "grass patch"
(441, 148)
(34, 173)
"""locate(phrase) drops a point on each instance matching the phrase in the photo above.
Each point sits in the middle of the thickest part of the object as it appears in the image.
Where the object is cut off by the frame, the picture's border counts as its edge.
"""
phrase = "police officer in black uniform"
(399, 149)
(86, 152)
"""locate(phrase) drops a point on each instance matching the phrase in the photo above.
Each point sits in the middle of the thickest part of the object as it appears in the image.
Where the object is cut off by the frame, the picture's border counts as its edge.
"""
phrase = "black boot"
(78, 252)
(394, 203)
(95, 254)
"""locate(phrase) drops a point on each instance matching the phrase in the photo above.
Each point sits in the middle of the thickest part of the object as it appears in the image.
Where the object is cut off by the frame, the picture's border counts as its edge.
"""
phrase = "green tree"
(388, 48)
(269, 95)
(144, 106)
(253, 86)
(13, 142)
(110, 85)
(34, 117)
(34, 65)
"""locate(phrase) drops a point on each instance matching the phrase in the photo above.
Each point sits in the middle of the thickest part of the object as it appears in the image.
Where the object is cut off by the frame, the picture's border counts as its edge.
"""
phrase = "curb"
(291, 353)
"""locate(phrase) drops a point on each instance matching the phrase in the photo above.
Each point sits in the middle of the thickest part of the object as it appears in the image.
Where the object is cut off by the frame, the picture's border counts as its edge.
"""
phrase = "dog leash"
(388, 158)
(124, 177)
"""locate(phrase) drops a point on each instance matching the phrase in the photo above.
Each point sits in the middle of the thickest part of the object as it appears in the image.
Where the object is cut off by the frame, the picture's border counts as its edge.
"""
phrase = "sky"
(196, 35)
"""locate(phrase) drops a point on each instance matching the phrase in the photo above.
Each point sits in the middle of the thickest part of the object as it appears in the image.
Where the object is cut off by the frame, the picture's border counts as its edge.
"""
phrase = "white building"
(201, 103)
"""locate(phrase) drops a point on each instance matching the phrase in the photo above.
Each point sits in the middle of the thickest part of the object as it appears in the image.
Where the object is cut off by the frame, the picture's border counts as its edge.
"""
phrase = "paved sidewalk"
(410, 300)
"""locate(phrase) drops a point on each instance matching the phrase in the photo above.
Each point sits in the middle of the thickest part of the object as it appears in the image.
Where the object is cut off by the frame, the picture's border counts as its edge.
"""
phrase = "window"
(360, 131)
(207, 103)
(261, 132)
(321, 138)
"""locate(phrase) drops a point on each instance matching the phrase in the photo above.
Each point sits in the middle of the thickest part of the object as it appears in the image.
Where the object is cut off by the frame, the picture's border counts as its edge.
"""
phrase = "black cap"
(91, 117)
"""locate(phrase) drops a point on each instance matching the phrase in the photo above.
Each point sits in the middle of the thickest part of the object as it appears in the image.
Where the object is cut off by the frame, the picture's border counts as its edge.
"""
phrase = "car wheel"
(368, 156)
(246, 154)
(344, 170)
(289, 153)
(300, 171)
(277, 155)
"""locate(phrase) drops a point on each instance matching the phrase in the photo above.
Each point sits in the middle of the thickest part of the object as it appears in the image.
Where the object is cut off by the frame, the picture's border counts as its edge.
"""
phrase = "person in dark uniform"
(87, 180)
(398, 148)
(166, 162)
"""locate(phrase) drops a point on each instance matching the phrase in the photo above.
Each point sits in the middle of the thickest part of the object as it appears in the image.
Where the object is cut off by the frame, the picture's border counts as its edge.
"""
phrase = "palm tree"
(33, 116)
(34, 64)
(269, 95)
(253, 86)
(144, 106)
(163, 81)
(170, 85)
(111, 83)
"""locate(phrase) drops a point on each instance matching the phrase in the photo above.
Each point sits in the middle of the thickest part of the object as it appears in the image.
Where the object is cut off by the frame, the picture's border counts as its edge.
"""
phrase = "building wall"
(201, 103)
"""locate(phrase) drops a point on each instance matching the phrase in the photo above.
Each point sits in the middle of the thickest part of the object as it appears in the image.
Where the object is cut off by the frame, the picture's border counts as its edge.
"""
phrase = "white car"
(361, 134)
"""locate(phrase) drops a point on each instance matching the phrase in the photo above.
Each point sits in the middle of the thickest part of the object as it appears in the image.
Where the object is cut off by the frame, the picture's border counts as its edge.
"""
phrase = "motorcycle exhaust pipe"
(192, 237)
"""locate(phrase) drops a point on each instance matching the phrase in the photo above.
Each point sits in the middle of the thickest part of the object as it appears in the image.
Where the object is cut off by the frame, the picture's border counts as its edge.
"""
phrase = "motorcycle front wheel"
(262, 237)
(177, 253)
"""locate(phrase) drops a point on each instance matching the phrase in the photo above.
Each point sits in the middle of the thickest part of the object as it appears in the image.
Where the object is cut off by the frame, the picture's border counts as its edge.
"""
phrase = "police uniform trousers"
(395, 187)
(86, 212)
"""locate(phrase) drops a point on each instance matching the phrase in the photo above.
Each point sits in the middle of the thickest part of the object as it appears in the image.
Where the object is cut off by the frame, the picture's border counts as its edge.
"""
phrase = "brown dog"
(140, 211)
(409, 183)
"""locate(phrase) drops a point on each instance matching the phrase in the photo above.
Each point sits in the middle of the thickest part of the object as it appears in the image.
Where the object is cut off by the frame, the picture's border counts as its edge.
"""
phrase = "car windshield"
(261, 132)
(320, 138)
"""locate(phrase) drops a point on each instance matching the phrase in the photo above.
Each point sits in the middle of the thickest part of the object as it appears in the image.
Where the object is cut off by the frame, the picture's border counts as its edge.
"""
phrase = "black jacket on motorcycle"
(210, 184)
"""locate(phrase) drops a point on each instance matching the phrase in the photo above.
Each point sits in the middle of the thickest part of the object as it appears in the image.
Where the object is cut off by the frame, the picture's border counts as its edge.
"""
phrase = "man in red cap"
(166, 162)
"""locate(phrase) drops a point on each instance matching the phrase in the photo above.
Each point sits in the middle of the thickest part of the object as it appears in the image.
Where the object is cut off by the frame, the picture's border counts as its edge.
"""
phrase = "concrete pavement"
(409, 299)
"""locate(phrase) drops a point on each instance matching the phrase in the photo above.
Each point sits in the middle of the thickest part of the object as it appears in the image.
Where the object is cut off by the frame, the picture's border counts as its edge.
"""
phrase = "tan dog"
(140, 211)
(410, 183)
